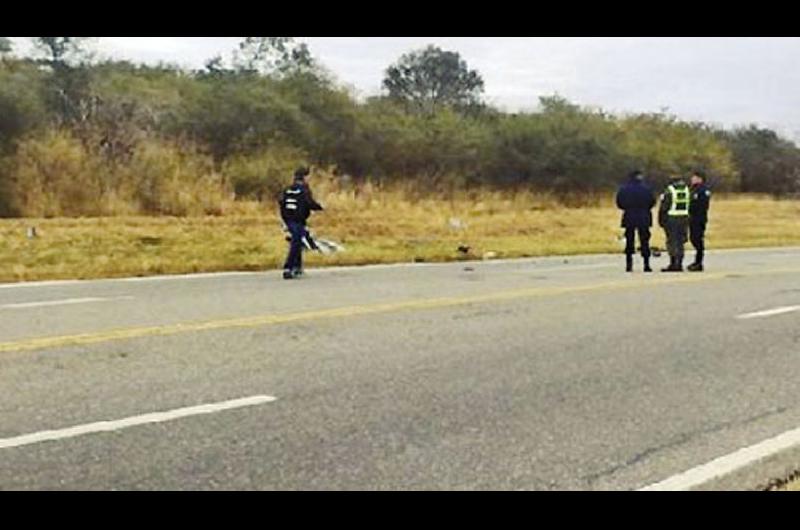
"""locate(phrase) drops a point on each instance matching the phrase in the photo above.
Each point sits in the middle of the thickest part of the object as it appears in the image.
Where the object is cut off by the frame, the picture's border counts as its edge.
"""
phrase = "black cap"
(301, 173)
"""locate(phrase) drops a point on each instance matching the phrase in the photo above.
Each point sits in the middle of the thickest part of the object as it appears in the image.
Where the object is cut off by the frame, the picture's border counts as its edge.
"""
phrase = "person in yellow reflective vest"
(673, 217)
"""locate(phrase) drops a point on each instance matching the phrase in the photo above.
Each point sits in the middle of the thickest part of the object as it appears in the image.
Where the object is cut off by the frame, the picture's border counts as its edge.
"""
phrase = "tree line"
(80, 136)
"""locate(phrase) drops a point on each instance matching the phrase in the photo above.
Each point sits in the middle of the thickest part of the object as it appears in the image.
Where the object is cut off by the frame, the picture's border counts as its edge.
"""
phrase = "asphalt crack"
(677, 441)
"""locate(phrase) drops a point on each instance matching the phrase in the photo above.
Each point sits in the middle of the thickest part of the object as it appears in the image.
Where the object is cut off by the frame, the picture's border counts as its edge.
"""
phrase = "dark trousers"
(644, 240)
(677, 229)
(697, 235)
(294, 261)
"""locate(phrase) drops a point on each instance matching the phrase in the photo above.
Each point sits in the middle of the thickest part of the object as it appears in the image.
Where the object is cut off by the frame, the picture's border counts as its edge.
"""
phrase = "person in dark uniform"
(673, 217)
(698, 218)
(636, 200)
(296, 204)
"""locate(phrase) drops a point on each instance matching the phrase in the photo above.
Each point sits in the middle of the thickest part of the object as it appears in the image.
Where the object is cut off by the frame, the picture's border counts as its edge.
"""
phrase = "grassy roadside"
(375, 227)
(790, 483)
(792, 486)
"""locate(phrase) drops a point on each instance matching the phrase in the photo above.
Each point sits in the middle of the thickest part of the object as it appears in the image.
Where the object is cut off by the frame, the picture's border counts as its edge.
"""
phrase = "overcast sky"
(724, 80)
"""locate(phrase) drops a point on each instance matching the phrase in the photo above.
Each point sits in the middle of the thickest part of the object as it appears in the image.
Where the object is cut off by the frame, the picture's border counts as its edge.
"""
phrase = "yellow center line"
(351, 311)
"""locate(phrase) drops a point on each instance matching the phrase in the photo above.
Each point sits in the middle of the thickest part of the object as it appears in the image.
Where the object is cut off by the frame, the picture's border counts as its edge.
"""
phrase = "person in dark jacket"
(296, 204)
(636, 199)
(698, 218)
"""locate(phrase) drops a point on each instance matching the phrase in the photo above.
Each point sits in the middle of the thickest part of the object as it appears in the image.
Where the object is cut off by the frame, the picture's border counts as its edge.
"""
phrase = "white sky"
(724, 80)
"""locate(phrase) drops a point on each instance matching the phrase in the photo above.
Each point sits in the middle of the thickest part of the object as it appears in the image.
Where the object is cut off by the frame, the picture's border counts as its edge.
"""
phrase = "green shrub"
(261, 175)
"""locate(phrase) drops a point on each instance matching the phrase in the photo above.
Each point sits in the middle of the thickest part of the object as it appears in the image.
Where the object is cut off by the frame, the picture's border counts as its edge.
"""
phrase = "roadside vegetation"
(374, 225)
(133, 169)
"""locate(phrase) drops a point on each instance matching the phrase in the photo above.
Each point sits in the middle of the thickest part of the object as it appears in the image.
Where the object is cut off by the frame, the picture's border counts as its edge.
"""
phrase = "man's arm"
(652, 201)
(279, 200)
(620, 196)
(698, 208)
(312, 204)
(666, 201)
(705, 199)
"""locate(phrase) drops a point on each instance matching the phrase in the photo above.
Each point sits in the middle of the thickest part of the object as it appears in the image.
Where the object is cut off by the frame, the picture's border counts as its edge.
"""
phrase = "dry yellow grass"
(375, 227)
(791, 483)
(792, 486)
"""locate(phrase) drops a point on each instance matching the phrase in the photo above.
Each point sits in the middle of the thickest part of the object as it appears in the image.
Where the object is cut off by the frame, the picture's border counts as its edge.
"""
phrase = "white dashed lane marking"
(132, 421)
(770, 312)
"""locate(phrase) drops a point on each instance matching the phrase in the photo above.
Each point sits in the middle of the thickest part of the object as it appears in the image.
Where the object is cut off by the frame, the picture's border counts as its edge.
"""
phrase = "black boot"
(697, 266)
(673, 266)
(628, 263)
(647, 264)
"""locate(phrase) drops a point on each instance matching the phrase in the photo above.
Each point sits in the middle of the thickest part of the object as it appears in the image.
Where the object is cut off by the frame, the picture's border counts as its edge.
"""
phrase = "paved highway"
(553, 373)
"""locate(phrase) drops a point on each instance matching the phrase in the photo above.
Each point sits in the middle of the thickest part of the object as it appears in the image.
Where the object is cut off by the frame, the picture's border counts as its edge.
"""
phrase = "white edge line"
(727, 464)
(132, 421)
(324, 270)
(770, 312)
(197, 276)
(67, 301)
(455, 264)
(574, 261)
(56, 283)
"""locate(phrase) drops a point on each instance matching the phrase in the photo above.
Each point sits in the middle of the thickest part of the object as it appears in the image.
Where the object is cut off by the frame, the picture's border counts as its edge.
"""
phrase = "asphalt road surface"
(556, 373)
